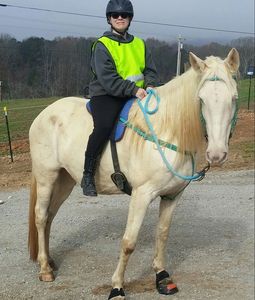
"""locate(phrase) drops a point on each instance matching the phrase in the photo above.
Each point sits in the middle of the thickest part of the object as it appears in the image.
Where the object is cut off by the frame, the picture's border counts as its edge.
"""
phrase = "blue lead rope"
(146, 111)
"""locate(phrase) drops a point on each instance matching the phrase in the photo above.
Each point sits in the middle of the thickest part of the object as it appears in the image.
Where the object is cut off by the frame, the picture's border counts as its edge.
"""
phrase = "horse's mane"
(178, 119)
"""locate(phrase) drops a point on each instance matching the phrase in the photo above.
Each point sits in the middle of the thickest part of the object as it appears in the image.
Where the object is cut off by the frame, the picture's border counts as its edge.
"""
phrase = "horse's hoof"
(47, 277)
(164, 284)
(117, 294)
(167, 287)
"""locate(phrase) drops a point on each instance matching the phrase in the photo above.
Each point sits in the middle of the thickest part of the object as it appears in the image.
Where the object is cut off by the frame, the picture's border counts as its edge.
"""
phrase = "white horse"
(58, 138)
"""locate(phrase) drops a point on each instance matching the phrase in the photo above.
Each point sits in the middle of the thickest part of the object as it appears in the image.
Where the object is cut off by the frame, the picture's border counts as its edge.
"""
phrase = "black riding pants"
(105, 111)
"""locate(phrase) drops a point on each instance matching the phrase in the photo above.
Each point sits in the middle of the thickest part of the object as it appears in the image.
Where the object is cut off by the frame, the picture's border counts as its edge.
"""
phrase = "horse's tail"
(32, 233)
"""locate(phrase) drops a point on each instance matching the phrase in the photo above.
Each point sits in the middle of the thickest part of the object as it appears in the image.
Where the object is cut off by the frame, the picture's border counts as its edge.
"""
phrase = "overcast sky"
(233, 15)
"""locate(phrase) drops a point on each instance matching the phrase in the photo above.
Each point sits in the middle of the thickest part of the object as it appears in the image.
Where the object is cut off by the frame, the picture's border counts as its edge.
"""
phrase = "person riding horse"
(122, 68)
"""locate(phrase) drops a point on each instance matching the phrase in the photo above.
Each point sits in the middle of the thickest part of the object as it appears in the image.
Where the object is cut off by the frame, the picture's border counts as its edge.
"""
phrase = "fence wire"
(20, 120)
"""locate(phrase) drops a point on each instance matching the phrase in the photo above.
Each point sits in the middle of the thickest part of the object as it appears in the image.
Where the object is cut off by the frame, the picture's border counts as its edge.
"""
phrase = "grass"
(22, 103)
(247, 148)
(243, 92)
(21, 113)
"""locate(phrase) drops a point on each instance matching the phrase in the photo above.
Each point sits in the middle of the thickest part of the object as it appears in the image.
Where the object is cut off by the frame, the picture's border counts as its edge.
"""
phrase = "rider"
(122, 68)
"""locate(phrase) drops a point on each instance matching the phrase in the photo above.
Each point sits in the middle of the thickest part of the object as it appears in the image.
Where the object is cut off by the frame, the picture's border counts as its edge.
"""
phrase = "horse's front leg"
(163, 282)
(138, 206)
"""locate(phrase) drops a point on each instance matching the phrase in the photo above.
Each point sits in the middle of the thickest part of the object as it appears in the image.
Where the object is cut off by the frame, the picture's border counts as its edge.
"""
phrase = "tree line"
(36, 67)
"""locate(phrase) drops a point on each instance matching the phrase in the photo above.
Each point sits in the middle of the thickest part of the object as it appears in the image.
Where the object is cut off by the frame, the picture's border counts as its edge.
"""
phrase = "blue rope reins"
(146, 111)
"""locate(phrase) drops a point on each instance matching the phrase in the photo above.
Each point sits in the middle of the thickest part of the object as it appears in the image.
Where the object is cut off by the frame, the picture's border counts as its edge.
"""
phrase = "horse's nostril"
(208, 157)
(224, 156)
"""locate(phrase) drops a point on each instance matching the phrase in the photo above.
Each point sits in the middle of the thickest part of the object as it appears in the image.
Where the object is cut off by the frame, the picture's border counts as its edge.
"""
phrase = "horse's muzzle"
(216, 157)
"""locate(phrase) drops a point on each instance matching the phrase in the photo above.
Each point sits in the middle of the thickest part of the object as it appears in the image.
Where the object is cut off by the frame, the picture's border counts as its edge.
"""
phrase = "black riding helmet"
(119, 6)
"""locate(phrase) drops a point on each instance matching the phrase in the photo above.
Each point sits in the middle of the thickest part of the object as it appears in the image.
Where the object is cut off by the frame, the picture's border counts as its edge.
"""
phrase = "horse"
(58, 137)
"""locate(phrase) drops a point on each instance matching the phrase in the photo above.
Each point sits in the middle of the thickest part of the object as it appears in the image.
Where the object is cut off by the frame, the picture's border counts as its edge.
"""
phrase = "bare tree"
(246, 48)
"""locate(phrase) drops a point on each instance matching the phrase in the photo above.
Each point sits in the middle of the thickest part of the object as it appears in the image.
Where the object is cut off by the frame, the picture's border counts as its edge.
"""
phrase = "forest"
(36, 67)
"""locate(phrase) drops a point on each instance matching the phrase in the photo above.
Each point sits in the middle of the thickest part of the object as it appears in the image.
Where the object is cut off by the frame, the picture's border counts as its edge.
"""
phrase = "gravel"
(210, 249)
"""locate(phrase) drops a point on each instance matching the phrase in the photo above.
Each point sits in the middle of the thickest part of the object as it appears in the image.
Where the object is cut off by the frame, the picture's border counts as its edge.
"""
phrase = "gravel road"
(210, 249)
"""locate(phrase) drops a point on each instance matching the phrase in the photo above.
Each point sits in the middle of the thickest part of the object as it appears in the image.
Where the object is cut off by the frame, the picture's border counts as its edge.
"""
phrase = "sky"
(231, 15)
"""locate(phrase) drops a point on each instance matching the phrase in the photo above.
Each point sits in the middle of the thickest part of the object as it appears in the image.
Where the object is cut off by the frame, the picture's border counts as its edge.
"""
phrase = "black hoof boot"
(164, 284)
(116, 292)
(88, 185)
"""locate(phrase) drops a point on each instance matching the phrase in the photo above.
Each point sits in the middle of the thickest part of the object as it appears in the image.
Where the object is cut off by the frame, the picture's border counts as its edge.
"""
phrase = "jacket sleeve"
(105, 71)
(150, 73)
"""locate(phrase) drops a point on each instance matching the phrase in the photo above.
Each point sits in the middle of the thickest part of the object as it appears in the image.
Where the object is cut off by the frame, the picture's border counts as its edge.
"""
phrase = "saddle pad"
(119, 128)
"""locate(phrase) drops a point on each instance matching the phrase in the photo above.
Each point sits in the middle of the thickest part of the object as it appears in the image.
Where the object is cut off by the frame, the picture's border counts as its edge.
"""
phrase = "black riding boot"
(88, 181)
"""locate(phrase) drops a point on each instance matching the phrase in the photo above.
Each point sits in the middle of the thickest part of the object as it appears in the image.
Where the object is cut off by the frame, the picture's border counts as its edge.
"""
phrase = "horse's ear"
(233, 60)
(196, 63)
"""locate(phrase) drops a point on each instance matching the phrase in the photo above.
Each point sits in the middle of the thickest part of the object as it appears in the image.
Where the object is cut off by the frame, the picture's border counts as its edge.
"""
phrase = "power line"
(51, 10)
(136, 21)
(72, 25)
(194, 27)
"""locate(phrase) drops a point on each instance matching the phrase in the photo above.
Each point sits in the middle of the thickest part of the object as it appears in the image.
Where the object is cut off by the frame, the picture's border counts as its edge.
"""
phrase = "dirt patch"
(241, 150)
(16, 174)
(241, 154)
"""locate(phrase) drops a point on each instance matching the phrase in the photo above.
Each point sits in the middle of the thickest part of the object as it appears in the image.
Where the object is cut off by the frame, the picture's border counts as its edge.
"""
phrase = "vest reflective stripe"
(135, 78)
(129, 58)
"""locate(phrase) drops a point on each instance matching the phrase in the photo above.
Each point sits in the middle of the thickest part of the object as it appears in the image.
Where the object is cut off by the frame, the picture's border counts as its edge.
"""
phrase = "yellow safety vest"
(129, 58)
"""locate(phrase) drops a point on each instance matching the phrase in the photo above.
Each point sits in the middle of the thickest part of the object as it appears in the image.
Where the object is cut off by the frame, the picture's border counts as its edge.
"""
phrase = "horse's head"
(217, 93)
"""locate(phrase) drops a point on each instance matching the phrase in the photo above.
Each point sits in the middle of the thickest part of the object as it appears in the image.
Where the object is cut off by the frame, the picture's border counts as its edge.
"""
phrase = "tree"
(245, 46)
(37, 67)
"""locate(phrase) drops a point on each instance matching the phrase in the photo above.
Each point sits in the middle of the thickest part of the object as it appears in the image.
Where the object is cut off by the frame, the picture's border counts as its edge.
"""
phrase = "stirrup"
(121, 182)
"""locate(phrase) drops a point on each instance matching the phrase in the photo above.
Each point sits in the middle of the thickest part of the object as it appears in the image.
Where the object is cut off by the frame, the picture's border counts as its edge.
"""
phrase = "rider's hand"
(141, 93)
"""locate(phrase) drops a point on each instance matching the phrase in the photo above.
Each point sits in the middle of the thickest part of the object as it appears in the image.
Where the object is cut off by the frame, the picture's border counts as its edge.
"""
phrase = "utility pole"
(250, 73)
(180, 46)
(1, 98)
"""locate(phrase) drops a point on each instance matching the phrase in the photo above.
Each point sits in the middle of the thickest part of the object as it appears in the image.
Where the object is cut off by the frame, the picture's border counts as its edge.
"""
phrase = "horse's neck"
(177, 119)
(187, 82)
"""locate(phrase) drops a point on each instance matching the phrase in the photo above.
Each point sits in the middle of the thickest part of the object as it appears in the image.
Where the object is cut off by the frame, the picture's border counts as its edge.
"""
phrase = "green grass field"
(243, 92)
(22, 112)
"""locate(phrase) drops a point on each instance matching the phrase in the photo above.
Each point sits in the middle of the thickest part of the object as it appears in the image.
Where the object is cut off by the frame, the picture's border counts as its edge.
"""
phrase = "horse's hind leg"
(62, 189)
(163, 282)
(50, 196)
(45, 185)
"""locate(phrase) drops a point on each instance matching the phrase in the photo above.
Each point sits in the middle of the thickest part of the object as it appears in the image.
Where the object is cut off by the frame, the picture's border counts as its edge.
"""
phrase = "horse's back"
(60, 109)
(60, 116)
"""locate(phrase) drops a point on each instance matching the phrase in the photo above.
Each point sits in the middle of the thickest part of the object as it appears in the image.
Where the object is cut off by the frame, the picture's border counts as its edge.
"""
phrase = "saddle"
(118, 177)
